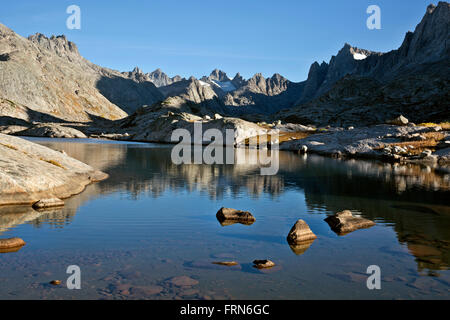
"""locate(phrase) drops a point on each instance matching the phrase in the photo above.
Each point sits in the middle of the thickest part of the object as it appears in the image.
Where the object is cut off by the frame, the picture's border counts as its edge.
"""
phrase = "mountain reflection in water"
(410, 198)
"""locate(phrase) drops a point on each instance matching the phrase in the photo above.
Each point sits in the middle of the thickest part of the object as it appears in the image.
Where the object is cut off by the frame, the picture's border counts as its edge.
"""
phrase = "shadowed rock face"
(410, 80)
(30, 172)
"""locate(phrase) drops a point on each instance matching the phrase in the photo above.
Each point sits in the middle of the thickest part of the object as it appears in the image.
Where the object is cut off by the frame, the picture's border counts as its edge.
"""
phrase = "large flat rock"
(30, 172)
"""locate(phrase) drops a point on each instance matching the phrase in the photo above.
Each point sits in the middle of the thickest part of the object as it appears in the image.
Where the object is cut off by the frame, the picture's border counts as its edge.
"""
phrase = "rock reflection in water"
(13, 216)
(301, 248)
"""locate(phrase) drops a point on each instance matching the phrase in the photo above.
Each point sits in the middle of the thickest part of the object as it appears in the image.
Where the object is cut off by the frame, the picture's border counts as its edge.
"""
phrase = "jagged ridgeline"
(47, 77)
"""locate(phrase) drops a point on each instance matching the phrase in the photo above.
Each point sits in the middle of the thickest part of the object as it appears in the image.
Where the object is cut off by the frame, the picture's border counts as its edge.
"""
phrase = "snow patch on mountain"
(226, 86)
(359, 56)
(204, 84)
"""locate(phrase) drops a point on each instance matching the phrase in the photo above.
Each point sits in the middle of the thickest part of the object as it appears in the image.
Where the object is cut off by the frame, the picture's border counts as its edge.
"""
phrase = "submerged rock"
(300, 233)
(232, 215)
(11, 245)
(48, 203)
(263, 264)
(226, 263)
(183, 281)
(344, 222)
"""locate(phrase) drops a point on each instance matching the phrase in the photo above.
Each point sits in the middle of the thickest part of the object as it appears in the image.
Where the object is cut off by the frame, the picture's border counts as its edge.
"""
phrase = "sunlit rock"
(344, 222)
(300, 233)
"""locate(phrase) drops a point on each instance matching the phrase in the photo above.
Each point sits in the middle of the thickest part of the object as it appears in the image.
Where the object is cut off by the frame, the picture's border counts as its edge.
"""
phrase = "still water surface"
(152, 221)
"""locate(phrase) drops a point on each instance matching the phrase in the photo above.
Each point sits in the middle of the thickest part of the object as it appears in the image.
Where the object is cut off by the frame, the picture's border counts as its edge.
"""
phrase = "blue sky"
(194, 37)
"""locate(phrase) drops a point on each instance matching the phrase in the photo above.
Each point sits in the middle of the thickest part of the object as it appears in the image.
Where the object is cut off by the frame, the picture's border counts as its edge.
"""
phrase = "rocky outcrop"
(345, 222)
(157, 123)
(30, 173)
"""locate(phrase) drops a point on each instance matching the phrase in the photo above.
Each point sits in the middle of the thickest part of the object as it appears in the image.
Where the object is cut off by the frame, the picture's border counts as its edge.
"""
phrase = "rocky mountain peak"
(257, 77)
(137, 75)
(317, 68)
(278, 77)
(431, 8)
(238, 81)
(218, 75)
(160, 79)
(137, 70)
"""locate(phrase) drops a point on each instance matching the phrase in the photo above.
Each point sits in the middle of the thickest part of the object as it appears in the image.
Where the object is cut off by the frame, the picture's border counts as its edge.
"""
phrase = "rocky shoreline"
(388, 143)
(394, 142)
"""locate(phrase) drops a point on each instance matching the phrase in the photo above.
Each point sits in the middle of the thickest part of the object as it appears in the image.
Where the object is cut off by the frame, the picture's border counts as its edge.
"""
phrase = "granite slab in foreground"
(30, 172)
